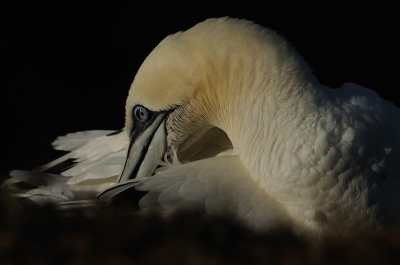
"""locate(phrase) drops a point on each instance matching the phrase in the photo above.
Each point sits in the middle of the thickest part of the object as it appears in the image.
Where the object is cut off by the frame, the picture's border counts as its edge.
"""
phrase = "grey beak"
(145, 150)
(147, 147)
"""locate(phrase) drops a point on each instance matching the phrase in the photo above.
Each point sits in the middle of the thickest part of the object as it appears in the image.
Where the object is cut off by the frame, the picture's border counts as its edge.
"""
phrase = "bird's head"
(194, 86)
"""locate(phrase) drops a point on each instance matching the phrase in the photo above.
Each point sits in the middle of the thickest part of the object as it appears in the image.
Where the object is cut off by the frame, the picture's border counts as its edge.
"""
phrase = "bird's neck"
(264, 126)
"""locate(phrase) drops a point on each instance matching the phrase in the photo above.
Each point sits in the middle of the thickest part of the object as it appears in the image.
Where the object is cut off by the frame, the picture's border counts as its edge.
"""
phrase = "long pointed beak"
(145, 150)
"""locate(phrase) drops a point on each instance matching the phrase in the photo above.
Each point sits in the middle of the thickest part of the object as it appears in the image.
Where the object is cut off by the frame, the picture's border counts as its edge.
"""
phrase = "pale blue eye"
(141, 113)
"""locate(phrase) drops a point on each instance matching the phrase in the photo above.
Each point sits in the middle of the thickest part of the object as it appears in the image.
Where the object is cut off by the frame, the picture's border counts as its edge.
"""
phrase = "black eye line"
(153, 113)
(139, 126)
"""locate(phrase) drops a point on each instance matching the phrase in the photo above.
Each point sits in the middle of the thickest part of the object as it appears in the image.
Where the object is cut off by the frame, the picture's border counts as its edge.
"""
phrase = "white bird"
(250, 132)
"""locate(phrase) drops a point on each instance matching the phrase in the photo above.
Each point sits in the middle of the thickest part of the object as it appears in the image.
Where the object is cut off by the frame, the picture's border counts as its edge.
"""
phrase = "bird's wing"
(213, 185)
(97, 156)
(39, 187)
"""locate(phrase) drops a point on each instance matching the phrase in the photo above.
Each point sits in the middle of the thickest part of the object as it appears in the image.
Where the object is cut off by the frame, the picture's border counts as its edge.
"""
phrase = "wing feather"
(202, 185)
(73, 141)
(89, 150)
(99, 157)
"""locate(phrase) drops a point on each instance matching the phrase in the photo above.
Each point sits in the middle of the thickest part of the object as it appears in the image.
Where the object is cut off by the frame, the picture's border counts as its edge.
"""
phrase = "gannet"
(227, 117)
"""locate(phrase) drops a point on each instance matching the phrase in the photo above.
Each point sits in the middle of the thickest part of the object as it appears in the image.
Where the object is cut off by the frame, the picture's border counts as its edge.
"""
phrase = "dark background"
(68, 66)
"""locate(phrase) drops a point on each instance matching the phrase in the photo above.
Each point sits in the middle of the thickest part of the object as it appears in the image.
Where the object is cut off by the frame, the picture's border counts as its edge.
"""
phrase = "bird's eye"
(141, 113)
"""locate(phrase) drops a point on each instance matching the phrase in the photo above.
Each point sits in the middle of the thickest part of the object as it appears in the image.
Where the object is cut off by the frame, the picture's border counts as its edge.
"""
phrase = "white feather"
(199, 185)
(73, 141)
(99, 158)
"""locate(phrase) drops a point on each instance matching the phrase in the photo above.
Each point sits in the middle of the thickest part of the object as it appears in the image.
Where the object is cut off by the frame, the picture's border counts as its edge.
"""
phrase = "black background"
(67, 66)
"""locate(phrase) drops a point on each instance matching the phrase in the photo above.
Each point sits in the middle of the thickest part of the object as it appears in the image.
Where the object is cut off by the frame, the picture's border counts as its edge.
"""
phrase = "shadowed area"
(117, 235)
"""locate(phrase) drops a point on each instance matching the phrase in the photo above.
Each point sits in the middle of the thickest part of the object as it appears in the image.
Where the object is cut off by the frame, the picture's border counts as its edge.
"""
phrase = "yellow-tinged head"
(213, 60)
(225, 73)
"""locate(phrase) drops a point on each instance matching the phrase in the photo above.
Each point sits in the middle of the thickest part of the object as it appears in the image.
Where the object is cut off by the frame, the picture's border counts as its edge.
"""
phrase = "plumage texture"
(287, 149)
(217, 186)
(97, 154)
(98, 157)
